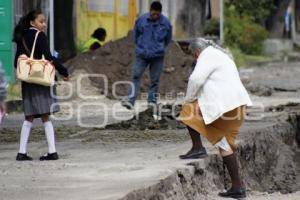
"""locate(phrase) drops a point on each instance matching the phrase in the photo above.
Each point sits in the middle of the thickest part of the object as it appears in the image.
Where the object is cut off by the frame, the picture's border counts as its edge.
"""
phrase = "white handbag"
(31, 70)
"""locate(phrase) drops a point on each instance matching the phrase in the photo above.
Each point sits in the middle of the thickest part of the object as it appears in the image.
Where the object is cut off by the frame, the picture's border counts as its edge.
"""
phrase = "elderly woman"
(214, 107)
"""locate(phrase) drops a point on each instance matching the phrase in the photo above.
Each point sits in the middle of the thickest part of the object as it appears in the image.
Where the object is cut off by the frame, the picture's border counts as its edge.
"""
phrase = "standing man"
(152, 33)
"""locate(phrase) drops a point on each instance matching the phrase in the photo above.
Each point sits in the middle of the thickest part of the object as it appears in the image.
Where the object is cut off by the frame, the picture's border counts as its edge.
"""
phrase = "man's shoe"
(127, 105)
(49, 156)
(234, 193)
(194, 154)
(23, 157)
(152, 105)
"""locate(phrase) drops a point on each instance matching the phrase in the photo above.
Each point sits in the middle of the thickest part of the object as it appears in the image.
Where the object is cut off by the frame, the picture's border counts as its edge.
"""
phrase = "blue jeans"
(155, 67)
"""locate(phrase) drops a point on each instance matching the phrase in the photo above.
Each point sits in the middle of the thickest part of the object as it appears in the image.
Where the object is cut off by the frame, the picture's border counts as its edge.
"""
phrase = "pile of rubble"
(115, 60)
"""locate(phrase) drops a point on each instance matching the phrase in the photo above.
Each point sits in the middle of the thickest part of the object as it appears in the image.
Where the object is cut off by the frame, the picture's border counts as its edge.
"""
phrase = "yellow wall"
(115, 24)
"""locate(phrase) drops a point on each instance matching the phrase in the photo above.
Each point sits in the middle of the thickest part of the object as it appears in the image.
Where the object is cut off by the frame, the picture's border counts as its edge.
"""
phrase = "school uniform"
(38, 99)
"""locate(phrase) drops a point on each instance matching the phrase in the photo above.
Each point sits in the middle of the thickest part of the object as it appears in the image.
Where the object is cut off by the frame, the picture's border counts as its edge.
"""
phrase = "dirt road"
(98, 164)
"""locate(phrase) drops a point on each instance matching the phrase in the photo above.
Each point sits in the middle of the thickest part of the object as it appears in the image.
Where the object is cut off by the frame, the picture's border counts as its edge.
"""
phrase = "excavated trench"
(269, 158)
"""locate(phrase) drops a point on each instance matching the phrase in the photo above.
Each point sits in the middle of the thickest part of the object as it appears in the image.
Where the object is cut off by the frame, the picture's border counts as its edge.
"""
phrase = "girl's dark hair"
(99, 33)
(24, 24)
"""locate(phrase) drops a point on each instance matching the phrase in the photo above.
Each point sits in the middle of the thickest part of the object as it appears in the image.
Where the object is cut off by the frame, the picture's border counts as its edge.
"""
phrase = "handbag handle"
(33, 46)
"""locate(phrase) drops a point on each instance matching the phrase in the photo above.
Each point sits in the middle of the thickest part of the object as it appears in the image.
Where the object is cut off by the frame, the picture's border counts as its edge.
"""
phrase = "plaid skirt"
(227, 125)
(38, 100)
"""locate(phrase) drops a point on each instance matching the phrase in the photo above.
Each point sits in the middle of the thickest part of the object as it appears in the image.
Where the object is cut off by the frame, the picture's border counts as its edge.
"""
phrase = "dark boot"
(194, 154)
(234, 193)
(237, 190)
(23, 157)
(197, 151)
(196, 139)
(49, 156)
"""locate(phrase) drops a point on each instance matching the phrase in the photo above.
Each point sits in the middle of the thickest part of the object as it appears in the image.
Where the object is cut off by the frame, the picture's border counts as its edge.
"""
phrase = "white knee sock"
(25, 132)
(49, 130)
(223, 144)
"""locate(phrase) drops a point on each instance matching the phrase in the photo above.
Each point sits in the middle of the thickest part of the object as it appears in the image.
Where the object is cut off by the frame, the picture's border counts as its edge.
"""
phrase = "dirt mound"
(161, 118)
(115, 60)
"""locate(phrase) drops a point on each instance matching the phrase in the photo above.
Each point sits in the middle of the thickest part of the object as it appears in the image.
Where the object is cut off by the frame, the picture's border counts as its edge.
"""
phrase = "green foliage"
(257, 10)
(243, 33)
(241, 59)
(238, 56)
(212, 27)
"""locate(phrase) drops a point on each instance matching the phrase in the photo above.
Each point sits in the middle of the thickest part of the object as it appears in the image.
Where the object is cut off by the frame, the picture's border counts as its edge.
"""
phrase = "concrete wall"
(116, 16)
(277, 47)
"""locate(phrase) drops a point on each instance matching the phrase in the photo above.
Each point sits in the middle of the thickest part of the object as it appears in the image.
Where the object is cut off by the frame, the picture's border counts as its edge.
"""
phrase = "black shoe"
(194, 154)
(234, 193)
(127, 105)
(49, 156)
(23, 157)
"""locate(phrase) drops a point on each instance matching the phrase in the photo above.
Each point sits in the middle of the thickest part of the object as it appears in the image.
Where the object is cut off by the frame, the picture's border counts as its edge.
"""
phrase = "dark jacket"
(41, 48)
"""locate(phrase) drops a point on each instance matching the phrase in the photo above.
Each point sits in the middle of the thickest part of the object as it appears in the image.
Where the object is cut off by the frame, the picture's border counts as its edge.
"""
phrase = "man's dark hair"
(99, 33)
(156, 5)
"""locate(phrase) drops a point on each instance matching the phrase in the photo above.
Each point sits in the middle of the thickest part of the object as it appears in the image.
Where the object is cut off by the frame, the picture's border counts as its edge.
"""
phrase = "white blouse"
(216, 84)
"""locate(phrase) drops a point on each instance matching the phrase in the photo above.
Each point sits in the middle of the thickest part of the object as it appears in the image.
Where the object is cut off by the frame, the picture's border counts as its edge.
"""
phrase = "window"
(101, 6)
(124, 8)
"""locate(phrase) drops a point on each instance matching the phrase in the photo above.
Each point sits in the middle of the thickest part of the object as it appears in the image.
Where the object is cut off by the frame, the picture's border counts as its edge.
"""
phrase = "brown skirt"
(227, 125)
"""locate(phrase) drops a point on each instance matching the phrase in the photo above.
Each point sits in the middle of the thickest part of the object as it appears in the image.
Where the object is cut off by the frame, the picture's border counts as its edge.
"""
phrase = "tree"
(276, 20)
(258, 10)
(192, 17)
(297, 12)
(64, 40)
(269, 13)
(243, 33)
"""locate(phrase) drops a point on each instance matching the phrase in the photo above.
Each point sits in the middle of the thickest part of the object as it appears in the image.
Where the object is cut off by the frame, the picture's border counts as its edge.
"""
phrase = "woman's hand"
(66, 78)
(197, 109)
(187, 101)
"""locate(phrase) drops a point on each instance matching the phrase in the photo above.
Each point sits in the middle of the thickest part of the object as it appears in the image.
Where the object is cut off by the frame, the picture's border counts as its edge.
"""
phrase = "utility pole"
(51, 25)
(221, 22)
(293, 26)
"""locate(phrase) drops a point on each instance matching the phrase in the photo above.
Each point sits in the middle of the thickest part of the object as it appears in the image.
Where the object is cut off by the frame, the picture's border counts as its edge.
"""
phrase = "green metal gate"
(6, 37)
